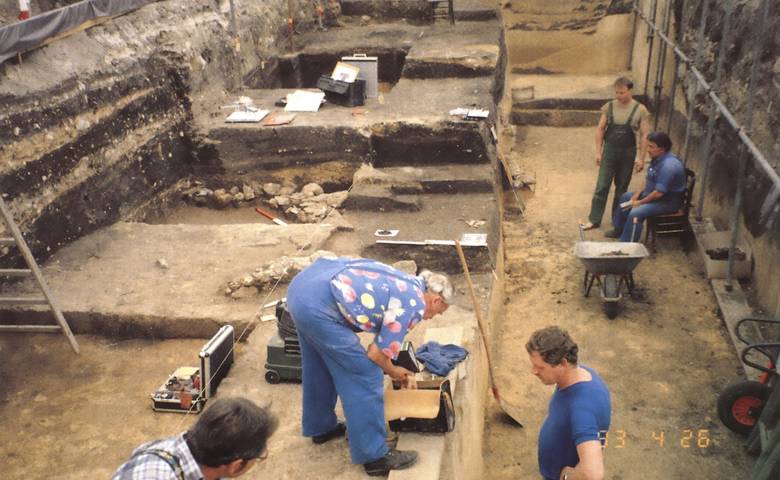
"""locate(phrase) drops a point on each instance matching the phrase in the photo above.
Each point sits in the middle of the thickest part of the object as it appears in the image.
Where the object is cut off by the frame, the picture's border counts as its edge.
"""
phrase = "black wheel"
(740, 405)
(271, 376)
(611, 309)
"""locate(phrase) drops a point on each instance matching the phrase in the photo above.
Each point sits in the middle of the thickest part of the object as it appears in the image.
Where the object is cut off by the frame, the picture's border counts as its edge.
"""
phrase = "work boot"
(338, 431)
(393, 460)
(612, 234)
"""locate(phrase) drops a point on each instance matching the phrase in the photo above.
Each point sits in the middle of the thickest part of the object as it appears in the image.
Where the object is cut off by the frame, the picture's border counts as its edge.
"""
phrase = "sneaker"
(393, 460)
(338, 431)
(612, 234)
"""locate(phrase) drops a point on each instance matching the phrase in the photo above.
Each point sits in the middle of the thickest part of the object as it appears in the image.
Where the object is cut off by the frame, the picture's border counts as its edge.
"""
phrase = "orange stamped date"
(686, 438)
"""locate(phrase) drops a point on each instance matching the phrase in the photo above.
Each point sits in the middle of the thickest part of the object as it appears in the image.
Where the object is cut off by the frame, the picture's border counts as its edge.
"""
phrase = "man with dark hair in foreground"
(230, 436)
(579, 411)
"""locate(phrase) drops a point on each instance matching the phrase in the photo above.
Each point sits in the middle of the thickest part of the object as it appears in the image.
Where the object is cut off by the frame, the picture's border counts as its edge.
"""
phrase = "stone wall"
(96, 123)
(761, 231)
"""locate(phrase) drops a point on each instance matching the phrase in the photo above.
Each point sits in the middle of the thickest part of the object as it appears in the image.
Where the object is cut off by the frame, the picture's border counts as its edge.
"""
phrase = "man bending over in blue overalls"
(330, 301)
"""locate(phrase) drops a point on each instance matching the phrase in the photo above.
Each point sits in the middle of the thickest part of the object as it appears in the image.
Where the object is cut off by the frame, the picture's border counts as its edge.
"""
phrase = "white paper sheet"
(246, 116)
(304, 101)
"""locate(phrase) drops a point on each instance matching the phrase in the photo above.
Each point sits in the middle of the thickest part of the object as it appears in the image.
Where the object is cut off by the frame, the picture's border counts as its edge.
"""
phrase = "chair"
(676, 223)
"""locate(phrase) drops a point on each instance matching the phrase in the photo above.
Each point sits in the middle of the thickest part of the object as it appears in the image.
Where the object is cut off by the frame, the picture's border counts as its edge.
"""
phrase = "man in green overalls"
(616, 152)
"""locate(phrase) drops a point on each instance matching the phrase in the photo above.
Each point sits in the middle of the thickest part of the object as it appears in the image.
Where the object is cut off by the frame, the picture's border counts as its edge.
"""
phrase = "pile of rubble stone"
(310, 204)
(281, 269)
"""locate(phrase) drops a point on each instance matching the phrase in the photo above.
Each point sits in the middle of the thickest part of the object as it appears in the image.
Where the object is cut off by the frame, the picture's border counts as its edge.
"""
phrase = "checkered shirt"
(147, 466)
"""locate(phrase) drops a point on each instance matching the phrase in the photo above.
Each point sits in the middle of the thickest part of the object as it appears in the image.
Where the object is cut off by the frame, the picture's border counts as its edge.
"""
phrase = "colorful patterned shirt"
(150, 466)
(374, 297)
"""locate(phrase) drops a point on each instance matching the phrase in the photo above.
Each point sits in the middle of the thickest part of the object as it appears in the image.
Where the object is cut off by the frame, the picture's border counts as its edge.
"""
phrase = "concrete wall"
(761, 232)
(93, 124)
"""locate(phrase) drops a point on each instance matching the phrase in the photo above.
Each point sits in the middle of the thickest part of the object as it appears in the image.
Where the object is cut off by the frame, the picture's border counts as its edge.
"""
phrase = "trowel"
(511, 410)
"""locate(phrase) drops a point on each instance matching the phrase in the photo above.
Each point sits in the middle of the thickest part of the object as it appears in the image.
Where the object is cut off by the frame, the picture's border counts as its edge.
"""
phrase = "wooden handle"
(478, 313)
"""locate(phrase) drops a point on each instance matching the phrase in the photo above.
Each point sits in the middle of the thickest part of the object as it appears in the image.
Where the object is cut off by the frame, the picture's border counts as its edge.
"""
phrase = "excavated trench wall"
(762, 232)
(96, 123)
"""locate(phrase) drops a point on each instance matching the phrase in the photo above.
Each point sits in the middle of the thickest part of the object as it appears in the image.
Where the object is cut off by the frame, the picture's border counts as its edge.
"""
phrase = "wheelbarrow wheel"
(611, 291)
(740, 405)
(611, 309)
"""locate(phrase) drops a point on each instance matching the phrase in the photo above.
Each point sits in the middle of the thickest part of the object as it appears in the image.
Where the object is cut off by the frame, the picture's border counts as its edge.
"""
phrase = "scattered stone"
(234, 190)
(286, 190)
(364, 20)
(312, 189)
(248, 192)
(271, 189)
(162, 263)
(337, 220)
(279, 270)
(238, 198)
(406, 266)
(280, 201)
(222, 199)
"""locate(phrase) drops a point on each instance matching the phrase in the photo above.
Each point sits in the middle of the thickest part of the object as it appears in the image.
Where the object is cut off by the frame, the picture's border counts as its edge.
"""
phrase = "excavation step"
(443, 178)
(410, 124)
(554, 118)
(137, 280)
(419, 236)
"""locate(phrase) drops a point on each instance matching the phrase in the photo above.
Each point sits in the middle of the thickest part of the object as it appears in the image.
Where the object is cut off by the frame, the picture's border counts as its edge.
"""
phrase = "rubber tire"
(272, 377)
(741, 391)
(611, 309)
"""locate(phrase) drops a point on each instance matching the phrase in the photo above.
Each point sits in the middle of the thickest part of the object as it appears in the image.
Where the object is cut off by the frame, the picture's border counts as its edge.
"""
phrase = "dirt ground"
(664, 358)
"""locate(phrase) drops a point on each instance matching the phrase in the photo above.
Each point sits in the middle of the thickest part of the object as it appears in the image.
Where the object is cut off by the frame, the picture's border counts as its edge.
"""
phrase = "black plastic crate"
(343, 93)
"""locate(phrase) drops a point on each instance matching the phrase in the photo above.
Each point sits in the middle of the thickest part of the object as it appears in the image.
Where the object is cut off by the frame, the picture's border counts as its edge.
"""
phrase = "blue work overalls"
(335, 363)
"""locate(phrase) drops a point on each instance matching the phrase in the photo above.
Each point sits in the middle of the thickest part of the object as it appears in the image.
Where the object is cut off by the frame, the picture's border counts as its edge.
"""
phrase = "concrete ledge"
(732, 303)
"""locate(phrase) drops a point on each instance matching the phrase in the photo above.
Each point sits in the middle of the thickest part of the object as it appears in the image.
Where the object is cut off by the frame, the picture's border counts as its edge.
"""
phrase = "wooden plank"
(30, 328)
(23, 301)
(88, 24)
(33, 265)
(15, 272)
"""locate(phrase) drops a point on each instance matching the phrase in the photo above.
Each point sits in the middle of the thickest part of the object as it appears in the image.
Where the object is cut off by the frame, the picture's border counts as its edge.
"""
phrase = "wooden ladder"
(17, 240)
(444, 9)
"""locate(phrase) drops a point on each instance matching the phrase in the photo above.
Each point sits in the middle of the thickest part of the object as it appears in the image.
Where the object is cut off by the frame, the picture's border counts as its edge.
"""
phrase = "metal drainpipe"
(693, 90)
(724, 42)
(659, 72)
(676, 77)
(764, 12)
(633, 35)
(650, 38)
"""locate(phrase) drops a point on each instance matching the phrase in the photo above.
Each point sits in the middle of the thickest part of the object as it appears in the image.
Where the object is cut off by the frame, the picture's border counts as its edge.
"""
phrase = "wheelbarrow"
(610, 264)
(741, 403)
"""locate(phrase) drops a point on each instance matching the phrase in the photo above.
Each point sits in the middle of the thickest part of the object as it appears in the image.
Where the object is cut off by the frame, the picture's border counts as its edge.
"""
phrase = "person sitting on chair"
(663, 192)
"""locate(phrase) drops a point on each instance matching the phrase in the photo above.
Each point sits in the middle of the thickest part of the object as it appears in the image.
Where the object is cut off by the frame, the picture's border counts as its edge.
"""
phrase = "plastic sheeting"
(22, 36)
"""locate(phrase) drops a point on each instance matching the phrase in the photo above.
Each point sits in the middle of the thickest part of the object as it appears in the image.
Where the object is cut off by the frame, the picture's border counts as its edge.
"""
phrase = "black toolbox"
(343, 93)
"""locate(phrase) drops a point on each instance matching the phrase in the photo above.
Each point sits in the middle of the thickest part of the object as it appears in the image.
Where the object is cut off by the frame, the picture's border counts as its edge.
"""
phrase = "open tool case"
(429, 409)
(188, 388)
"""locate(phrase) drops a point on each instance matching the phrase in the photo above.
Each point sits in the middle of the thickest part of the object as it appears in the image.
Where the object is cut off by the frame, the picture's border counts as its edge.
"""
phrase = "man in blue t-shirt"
(579, 411)
(663, 191)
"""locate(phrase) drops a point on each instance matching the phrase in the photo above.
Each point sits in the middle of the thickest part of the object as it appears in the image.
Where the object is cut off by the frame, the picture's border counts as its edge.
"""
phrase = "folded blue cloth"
(440, 359)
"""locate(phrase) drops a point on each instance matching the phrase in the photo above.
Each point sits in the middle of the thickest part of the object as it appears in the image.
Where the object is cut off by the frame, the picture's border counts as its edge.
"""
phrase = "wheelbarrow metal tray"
(601, 257)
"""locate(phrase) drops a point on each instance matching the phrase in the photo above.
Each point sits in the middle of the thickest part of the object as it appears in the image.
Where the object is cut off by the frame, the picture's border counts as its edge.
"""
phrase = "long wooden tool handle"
(478, 313)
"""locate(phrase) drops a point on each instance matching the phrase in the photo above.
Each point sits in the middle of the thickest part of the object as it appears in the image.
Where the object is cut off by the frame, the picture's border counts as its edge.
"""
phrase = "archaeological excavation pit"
(156, 222)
